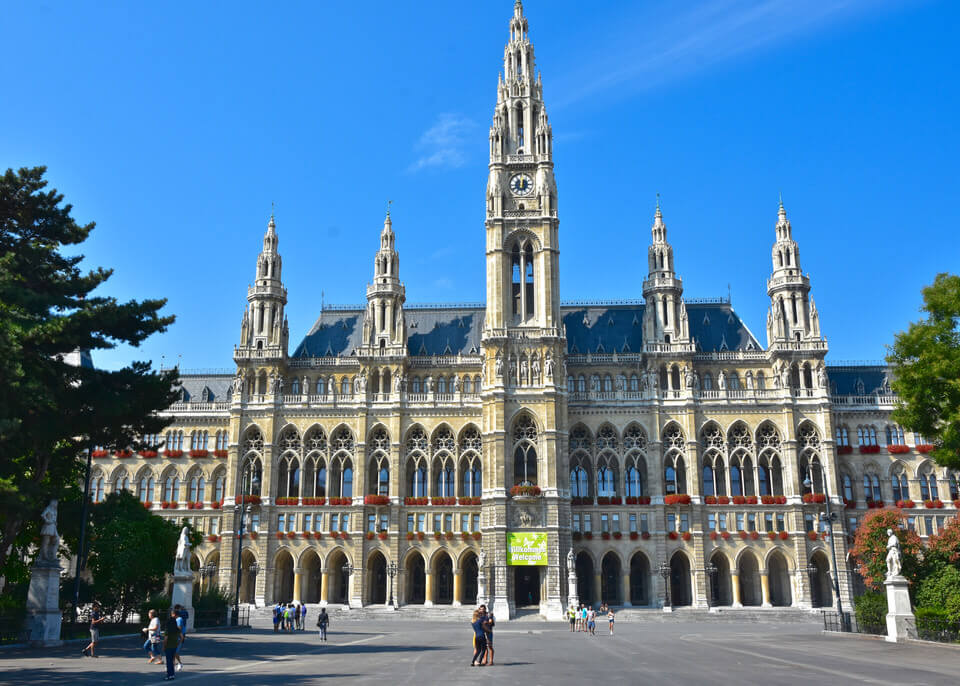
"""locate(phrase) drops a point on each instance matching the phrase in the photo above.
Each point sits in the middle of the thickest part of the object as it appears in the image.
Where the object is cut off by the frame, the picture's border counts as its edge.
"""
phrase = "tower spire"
(264, 324)
(665, 315)
(792, 315)
(383, 321)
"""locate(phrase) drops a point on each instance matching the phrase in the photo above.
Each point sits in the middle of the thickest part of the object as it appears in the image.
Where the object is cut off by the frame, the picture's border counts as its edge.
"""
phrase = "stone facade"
(636, 433)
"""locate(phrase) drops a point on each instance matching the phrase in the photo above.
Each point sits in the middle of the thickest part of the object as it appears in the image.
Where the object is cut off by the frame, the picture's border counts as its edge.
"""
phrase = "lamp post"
(392, 571)
(664, 570)
(710, 570)
(237, 510)
(829, 518)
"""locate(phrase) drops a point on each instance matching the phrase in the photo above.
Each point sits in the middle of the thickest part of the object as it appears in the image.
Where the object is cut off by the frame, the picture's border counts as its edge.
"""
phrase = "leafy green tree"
(926, 362)
(870, 547)
(50, 410)
(131, 551)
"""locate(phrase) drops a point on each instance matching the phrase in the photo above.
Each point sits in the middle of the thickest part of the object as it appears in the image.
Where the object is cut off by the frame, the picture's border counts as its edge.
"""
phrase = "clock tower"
(526, 494)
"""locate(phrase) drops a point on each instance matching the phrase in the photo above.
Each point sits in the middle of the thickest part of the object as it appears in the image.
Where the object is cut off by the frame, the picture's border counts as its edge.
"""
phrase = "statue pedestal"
(573, 599)
(43, 605)
(183, 594)
(481, 588)
(901, 623)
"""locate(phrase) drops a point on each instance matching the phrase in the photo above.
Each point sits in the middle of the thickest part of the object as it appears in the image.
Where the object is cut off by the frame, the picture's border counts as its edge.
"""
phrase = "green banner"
(526, 550)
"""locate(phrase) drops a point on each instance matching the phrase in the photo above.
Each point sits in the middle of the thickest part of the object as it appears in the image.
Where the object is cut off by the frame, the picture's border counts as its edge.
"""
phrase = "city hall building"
(529, 452)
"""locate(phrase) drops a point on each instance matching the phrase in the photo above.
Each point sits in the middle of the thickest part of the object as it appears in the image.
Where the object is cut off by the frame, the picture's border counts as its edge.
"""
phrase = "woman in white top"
(152, 644)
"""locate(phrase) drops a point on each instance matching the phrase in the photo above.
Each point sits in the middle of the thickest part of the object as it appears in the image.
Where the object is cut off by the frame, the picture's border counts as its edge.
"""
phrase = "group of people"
(164, 644)
(482, 623)
(289, 617)
(584, 618)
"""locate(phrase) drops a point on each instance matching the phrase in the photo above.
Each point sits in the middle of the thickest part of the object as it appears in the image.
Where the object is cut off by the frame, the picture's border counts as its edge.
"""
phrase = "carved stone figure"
(49, 538)
(482, 559)
(182, 561)
(822, 377)
(238, 384)
(305, 386)
(548, 366)
(428, 384)
(785, 377)
(498, 370)
(893, 554)
(456, 384)
(696, 381)
(688, 378)
(570, 559)
(722, 381)
(523, 370)
(535, 368)
(398, 383)
(595, 384)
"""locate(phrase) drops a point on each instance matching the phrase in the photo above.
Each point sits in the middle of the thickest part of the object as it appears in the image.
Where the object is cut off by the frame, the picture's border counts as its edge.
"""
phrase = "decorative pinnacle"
(658, 206)
(389, 202)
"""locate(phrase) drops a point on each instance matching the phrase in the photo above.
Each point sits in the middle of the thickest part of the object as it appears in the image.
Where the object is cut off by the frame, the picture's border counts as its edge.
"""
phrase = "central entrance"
(526, 585)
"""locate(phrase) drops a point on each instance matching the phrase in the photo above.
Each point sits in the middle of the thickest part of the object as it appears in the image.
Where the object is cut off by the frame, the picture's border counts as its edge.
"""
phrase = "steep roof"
(217, 385)
(858, 379)
(442, 330)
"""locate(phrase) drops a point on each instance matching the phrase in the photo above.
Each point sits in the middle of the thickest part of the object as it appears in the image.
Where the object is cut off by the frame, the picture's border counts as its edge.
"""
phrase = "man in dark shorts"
(488, 623)
(96, 619)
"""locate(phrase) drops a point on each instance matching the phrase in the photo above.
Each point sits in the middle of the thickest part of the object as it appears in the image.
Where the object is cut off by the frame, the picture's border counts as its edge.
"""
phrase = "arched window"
(345, 386)
(953, 482)
(871, 487)
(441, 385)
(219, 483)
(443, 477)
(769, 467)
(713, 473)
(674, 473)
(929, 490)
(707, 382)
(471, 472)
(295, 386)
(96, 487)
(198, 487)
(144, 489)
(581, 384)
(378, 446)
(635, 447)
(416, 451)
(740, 448)
(171, 489)
(899, 484)
(343, 447)
(121, 482)
(811, 468)
(579, 482)
(761, 381)
(525, 451)
(608, 475)
(847, 484)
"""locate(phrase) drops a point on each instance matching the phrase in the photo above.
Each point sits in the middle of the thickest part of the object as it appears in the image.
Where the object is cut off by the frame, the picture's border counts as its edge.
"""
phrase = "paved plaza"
(528, 652)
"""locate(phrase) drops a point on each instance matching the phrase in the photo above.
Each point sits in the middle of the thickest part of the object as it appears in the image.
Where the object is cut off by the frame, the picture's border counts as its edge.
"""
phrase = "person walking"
(303, 617)
(583, 618)
(489, 622)
(479, 639)
(592, 622)
(323, 620)
(610, 619)
(96, 619)
(152, 644)
(572, 616)
(171, 641)
(276, 618)
(182, 626)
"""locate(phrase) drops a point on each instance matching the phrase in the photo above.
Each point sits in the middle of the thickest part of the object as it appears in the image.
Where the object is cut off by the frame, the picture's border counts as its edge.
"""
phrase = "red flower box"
(713, 535)
(279, 534)
(314, 501)
(676, 499)
(686, 536)
(874, 504)
(743, 535)
(248, 499)
(812, 535)
(253, 535)
(898, 449)
(318, 535)
(956, 504)
(216, 504)
(291, 534)
(844, 449)
(849, 504)
(933, 504)
(382, 535)
(869, 449)
(123, 454)
(772, 535)
(739, 500)
(334, 534)
(767, 499)
(751, 500)
(415, 501)
(617, 535)
(637, 500)
(814, 498)
(588, 535)
(148, 504)
(370, 535)
(672, 535)
(580, 501)
(409, 535)
(219, 453)
(634, 535)
(173, 453)
(471, 500)
(419, 535)
(199, 453)
(924, 448)
(476, 535)
(710, 500)
(148, 454)
(99, 453)
(605, 535)
(784, 535)
(754, 535)
(781, 499)
(376, 500)
(443, 501)
(723, 500)
(645, 535)
(906, 504)
(168, 505)
(213, 538)
(528, 491)
(448, 535)
(725, 535)
(341, 501)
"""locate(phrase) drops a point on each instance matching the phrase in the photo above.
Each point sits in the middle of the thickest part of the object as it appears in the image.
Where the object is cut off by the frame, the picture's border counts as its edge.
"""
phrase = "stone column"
(183, 594)
(325, 587)
(626, 590)
(735, 587)
(43, 605)
(428, 594)
(297, 583)
(765, 587)
(457, 588)
(598, 581)
(901, 623)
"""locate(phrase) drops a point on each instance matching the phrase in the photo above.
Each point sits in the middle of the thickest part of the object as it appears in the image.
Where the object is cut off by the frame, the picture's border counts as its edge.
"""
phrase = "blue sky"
(175, 126)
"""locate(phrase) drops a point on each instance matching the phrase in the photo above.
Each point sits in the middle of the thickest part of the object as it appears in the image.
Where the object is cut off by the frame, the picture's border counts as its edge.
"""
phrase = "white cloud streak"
(442, 145)
(664, 46)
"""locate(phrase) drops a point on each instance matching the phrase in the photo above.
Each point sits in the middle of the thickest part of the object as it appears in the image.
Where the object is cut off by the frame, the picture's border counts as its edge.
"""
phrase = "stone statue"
(688, 378)
(821, 376)
(278, 386)
(498, 369)
(482, 559)
(398, 383)
(49, 538)
(564, 357)
(696, 381)
(182, 561)
(523, 371)
(785, 377)
(305, 387)
(548, 366)
(429, 384)
(722, 381)
(238, 384)
(535, 368)
(620, 380)
(570, 559)
(893, 554)
(595, 384)
(456, 384)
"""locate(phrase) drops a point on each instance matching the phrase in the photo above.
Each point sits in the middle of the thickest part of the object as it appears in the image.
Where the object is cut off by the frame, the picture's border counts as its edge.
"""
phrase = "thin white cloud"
(442, 145)
(663, 45)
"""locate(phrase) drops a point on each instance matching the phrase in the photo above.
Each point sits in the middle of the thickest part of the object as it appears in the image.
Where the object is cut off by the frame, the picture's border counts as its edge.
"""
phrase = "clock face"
(521, 184)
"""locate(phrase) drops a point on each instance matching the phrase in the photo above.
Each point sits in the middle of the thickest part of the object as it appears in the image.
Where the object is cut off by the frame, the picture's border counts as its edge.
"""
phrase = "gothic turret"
(263, 331)
(665, 315)
(384, 330)
(793, 314)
